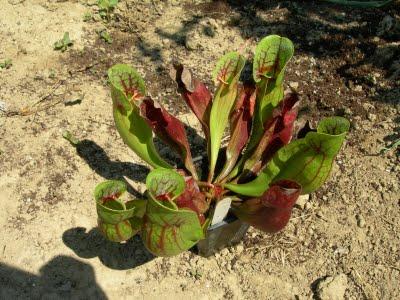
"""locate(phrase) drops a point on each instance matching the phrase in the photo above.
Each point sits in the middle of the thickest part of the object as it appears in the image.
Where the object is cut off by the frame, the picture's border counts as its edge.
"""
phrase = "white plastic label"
(221, 210)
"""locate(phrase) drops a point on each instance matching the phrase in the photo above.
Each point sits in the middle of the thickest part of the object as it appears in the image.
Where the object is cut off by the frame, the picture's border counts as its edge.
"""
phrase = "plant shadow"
(61, 278)
(119, 256)
(147, 50)
(98, 160)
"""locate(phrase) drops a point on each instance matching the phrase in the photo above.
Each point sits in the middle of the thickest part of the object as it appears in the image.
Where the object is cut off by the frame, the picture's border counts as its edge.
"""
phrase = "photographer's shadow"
(120, 256)
(63, 277)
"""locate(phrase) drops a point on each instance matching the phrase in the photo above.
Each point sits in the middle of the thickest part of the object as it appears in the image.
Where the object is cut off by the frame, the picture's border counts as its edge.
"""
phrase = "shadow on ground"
(98, 160)
(61, 278)
(329, 31)
(317, 28)
(113, 255)
(352, 39)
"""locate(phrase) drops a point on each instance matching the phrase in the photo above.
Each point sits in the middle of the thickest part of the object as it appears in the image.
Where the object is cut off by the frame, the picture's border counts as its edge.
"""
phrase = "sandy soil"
(344, 239)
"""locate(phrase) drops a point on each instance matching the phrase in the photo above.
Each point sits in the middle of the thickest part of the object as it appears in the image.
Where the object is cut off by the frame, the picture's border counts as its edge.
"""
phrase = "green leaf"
(228, 68)
(254, 188)
(116, 220)
(109, 208)
(107, 4)
(109, 189)
(139, 205)
(127, 88)
(227, 72)
(241, 120)
(312, 163)
(64, 43)
(165, 183)
(6, 64)
(119, 232)
(168, 232)
(87, 16)
(71, 138)
(103, 4)
(66, 40)
(126, 79)
(113, 3)
(307, 161)
(105, 36)
(270, 59)
(271, 56)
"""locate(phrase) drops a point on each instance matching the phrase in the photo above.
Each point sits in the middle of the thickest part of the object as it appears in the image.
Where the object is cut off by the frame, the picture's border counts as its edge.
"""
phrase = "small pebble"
(3, 106)
(302, 201)
(294, 85)
(348, 111)
(360, 221)
(239, 249)
(371, 117)
(224, 252)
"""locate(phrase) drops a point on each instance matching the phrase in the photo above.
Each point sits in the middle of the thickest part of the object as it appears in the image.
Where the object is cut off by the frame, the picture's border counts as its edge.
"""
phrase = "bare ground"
(49, 247)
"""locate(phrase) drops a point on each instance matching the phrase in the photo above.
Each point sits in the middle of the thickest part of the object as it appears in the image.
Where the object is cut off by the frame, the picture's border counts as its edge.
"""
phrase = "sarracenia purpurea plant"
(263, 170)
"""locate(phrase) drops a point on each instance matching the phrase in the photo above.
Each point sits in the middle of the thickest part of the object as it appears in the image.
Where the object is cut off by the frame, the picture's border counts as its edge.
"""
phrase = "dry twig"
(32, 110)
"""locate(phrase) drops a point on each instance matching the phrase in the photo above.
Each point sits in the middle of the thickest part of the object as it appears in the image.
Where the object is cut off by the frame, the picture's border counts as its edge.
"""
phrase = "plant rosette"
(256, 178)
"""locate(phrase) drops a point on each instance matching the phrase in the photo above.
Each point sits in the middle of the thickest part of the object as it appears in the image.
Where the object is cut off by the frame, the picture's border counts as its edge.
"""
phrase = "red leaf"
(284, 127)
(271, 212)
(241, 121)
(241, 117)
(195, 93)
(277, 132)
(169, 129)
(193, 199)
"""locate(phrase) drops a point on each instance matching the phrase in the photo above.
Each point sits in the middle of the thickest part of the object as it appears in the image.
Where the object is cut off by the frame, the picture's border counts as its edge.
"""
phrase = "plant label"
(221, 210)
